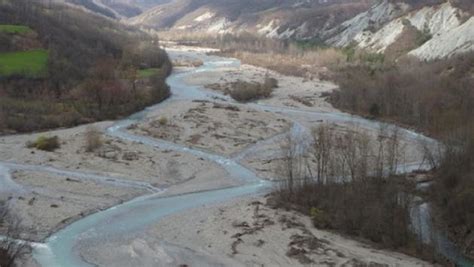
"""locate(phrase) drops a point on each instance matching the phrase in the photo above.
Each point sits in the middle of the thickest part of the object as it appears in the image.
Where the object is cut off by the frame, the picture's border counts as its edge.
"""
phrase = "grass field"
(31, 64)
(15, 29)
(147, 73)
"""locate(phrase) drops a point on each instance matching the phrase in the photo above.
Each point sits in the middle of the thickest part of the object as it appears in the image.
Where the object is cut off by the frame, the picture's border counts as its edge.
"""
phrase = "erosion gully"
(60, 249)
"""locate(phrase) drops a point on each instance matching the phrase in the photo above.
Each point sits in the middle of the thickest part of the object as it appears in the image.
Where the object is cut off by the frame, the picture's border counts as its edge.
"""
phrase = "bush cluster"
(370, 208)
(248, 91)
(45, 143)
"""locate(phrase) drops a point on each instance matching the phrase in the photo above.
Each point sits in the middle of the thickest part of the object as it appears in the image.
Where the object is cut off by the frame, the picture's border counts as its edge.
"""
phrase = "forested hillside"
(61, 66)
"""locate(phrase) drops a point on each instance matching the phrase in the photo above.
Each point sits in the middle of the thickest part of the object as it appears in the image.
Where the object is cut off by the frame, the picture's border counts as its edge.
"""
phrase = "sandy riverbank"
(244, 232)
(116, 158)
(293, 92)
(49, 201)
(54, 201)
(217, 127)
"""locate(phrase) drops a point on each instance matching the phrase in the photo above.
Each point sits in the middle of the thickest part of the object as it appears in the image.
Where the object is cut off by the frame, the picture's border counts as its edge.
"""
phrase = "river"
(60, 249)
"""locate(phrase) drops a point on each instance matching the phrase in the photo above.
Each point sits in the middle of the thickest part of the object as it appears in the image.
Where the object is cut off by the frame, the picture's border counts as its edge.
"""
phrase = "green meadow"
(31, 64)
(147, 73)
(15, 29)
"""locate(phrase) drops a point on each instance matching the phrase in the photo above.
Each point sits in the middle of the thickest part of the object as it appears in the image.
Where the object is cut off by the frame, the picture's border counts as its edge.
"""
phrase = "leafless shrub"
(431, 153)
(10, 249)
(270, 82)
(93, 139)
(45, 143)
(301, 100)
(163, 121)
(2, 121)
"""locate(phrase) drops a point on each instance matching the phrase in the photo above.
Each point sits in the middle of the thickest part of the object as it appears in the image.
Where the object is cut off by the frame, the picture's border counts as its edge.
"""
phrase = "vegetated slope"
(117, 8)
(94, 6)
(123, 8)
(435, 28)
(142, 4)
(62, 66)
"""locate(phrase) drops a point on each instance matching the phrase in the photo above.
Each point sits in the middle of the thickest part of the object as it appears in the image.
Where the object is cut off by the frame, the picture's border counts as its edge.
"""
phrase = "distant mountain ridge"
(272, 18)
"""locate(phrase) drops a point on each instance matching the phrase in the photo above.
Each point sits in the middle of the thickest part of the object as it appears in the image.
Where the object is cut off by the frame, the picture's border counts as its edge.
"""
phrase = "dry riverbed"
(51, 200)
(242, 233)
(217, 127)
(116, 158)
(54, 201)
(292, 92)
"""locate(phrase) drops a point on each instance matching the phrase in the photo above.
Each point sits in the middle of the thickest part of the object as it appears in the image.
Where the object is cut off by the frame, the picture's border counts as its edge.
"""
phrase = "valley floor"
(52, 189)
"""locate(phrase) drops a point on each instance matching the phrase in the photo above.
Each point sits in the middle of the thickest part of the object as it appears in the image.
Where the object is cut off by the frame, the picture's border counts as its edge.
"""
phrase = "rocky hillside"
(271, 18)
(427, 29)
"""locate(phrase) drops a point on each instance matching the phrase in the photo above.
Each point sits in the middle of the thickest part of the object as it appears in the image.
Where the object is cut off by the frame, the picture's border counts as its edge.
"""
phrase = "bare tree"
(431, 153)
(393, 151)
(293, 166)
(364, 204)
(322, 151)
(10, 248)
(380, 154)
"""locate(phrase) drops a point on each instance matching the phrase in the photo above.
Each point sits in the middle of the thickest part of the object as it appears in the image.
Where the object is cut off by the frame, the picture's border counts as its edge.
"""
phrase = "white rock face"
(205, 16)
(220, 25)
(442, 22)
(377, 15)
(436, 20)
(269, 28)
(380, 40)
(448, 43)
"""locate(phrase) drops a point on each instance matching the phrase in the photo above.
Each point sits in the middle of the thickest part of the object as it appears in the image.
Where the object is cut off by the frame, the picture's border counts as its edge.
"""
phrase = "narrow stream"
(60, 249)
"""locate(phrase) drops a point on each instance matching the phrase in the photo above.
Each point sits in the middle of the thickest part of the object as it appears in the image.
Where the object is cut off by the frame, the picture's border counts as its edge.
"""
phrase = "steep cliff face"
(365, 23)
(434, 21)
(444, 44)
(441, 32)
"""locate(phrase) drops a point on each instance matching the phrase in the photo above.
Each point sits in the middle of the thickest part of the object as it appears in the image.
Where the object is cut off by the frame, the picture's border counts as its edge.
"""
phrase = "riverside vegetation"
(58, 69)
